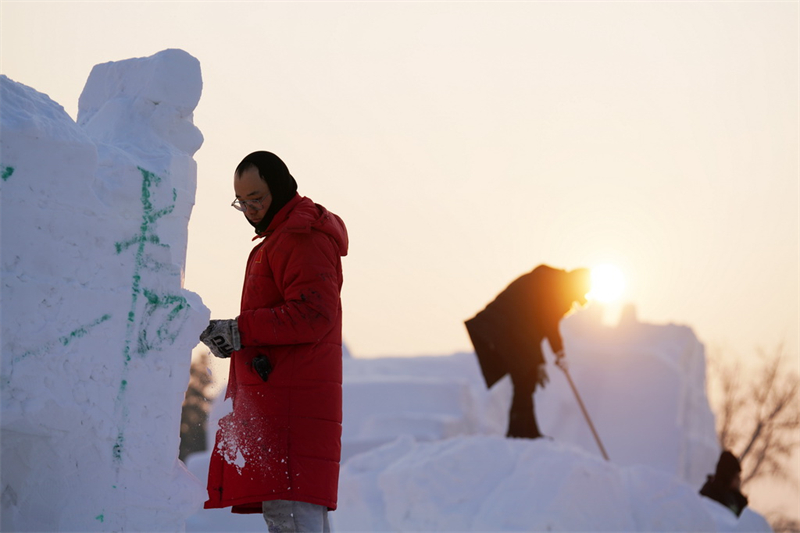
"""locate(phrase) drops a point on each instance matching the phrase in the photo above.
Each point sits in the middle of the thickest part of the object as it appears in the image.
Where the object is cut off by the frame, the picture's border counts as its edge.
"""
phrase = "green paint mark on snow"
(154, 319)
(82, 331)
(117, 450)
(64, 340)
(100, 517)
(167, 312)
(7, 172)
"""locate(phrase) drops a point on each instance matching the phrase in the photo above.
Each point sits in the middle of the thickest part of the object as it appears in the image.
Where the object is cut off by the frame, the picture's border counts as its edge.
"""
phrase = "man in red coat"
(508, 333)
(278, 451)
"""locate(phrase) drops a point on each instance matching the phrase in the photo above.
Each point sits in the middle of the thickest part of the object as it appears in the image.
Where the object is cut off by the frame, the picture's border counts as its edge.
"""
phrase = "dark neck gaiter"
(282, 185)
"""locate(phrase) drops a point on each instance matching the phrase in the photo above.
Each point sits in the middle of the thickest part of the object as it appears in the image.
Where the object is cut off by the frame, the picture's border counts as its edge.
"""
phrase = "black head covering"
(727, 467)
(274, 172)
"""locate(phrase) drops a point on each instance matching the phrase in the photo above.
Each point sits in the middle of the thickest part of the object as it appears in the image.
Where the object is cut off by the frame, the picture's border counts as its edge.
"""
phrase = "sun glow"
(607, 284)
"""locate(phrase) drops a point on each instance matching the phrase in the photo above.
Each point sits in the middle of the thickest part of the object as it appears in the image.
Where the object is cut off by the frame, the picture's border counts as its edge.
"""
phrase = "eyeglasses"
(242, 205)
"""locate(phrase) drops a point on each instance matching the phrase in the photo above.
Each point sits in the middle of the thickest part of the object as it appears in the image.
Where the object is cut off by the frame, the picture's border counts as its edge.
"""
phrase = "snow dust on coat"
(282, 441)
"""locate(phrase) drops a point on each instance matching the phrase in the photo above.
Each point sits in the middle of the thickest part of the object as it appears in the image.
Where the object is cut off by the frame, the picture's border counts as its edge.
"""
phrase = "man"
(278, 451)
(508, 333)
(726, 483)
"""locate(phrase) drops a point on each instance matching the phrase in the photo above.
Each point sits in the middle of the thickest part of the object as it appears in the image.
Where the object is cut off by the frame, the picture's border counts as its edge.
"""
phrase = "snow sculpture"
(97, 330)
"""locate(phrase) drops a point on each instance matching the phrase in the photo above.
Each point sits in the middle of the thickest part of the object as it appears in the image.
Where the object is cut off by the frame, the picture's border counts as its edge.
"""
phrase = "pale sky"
(465, 143)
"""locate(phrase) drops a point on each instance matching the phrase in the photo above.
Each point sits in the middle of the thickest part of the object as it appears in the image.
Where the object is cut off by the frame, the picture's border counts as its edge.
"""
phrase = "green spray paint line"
(140, 240)
(64, 340)
(7, 172)
(170, 324)
(155, 305)
(117, 450)
(82, 331)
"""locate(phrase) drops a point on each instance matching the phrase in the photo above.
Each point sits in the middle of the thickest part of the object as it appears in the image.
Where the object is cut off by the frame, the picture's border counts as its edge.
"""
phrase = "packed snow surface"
(97, 330)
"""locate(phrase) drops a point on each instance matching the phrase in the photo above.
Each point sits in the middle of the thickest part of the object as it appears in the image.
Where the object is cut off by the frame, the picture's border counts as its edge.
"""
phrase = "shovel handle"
(585, 413)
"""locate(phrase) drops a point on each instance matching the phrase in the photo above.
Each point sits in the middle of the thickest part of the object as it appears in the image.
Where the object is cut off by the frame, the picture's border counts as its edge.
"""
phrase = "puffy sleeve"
(306, 271)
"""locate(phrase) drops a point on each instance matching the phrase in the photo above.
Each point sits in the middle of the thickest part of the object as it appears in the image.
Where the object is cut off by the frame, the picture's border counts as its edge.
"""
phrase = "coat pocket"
(254, 366)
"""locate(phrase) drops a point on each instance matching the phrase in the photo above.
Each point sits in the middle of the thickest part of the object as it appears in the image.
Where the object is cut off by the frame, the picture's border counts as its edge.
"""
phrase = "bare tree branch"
(759, 416)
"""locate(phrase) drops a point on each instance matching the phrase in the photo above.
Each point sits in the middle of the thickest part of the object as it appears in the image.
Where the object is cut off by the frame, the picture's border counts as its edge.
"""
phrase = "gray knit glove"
(222, 337)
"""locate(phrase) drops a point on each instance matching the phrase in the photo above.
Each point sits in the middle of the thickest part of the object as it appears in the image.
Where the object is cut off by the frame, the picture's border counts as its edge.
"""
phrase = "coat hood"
(302, 215)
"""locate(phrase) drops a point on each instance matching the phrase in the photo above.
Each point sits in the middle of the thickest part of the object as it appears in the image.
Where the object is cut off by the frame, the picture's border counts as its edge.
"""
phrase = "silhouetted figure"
(508, 333)
(725, 485)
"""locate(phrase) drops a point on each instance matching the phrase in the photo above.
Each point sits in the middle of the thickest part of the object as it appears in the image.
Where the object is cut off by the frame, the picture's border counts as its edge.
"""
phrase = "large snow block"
(428, 398)
(97, 330)
(644, 388)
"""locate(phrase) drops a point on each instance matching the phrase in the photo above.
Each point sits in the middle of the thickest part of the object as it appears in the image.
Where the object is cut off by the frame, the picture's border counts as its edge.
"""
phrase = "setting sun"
(607, 283)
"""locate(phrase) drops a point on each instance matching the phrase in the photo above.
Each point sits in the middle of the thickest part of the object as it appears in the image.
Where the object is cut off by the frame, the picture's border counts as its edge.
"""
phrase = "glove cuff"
(236, 339)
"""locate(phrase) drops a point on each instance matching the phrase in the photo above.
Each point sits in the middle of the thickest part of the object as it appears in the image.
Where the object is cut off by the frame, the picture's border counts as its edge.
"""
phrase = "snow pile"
(423, 446)
(489, 483)
(97, 330)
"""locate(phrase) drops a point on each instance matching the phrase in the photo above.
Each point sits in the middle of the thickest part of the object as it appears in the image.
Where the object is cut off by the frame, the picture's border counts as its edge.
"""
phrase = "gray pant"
(283, 516)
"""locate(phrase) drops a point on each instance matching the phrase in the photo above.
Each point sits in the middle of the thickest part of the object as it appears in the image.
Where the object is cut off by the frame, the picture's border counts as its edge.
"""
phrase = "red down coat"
(282, 441)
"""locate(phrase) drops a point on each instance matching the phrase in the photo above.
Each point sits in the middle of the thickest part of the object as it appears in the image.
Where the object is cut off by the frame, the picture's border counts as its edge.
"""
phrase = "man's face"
(252, 192)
